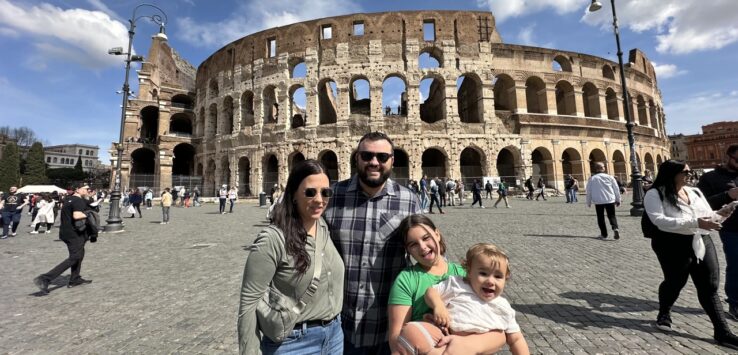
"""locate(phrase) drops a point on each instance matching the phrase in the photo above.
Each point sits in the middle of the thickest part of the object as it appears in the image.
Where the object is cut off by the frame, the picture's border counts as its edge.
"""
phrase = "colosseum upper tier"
(456, 101)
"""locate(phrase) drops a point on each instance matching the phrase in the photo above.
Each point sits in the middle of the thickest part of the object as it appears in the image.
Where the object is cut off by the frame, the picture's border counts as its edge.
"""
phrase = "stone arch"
(433, 100)
(613, 104)
(394, 94)
(472, 162)
(327, 101)
(225, 171)
(565, 102)
(648, 160)
(642, 113)
(212, 124)
(329, 159)
(294, 159)
(571, 163)
(360, 100)
(591, 99)
(270, 105)
(542, 163)
(430, 57)
(401, 167)
(469, 98)
(227, 126)
(597, 156)
(244, 176)
(508, 161)
(659, 160)
(183, 101)
(149, 124)
(504, 90)
(298, 102)
(247, 109)
(535, 95)
(561, 63)
(143, 161)
(434, 162)
(181, 124)
(270, 172)
(620, 166)
(183, 162)
(297, 67)
(607, 72)
(213, 90)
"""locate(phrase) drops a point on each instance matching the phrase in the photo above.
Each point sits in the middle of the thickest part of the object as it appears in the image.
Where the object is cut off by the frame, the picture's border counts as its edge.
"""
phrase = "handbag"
(276, 313)
(131, 209)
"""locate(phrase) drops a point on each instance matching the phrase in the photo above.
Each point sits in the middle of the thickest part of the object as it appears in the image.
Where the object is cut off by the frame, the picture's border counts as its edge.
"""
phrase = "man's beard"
(364, 177)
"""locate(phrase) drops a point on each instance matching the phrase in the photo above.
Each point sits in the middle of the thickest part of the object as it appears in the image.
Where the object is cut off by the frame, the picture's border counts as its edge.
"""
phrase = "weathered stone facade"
(708, 149)
(493, 109)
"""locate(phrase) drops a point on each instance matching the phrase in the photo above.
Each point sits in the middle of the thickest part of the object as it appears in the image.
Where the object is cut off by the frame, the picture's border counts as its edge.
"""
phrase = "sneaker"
(728, 340)
(616, 234)
(48, 232)
(42, 284)
(508, 207)
(733, 311)
(663, 322)
(603, 237)
(34, 232)
(163, 223)
(481, 206)
(13, 234)
(78, 282)
(4, 237)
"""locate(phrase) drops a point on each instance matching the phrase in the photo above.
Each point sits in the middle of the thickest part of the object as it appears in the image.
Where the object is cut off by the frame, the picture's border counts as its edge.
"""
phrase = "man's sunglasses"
(381, 157)
(311, 192)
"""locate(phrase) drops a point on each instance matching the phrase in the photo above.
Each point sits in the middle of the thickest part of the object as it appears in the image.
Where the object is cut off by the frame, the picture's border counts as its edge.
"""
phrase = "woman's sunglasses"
(311, 192)
(687, 172)
(381, 157)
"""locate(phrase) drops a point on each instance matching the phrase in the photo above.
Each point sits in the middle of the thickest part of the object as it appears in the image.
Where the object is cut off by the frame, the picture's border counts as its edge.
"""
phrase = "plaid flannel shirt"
(364, 230)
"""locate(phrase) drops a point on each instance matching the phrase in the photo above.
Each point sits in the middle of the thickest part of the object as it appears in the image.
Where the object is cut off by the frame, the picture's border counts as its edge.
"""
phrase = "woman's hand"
(708, 224)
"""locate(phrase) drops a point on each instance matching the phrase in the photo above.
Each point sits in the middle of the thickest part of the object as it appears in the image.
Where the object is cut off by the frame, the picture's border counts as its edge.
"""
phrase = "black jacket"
(715, 186)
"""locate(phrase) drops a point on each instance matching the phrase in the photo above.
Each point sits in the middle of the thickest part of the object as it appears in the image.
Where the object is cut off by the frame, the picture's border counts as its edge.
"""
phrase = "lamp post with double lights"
(114, 221)
(635, 176)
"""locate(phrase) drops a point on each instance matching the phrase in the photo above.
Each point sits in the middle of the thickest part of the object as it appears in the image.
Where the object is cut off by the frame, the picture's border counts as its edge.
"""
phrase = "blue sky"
(57, 78)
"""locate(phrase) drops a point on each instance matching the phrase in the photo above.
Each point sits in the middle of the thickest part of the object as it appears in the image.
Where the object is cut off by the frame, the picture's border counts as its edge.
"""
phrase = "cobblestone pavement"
(174, 288)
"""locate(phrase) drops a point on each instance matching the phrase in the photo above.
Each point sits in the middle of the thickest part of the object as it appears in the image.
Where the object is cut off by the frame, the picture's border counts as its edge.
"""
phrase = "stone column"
(602, 102)
(413, 103)
(237, 110)
(518, 95)
(166, 158)
(551, 101)
(557, 167)
(163, 123)
(488, 102)
(452, 104)
(578, 102)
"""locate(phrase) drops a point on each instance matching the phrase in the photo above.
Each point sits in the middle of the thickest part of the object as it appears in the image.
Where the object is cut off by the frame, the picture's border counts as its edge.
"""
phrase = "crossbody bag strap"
(313, 287)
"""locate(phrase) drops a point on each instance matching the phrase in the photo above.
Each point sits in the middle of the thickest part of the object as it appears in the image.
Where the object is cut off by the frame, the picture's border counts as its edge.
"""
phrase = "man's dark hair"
(732, 149)
(375, 136)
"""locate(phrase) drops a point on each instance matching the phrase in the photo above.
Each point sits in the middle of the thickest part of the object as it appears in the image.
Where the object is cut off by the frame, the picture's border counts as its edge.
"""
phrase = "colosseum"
(456, 100)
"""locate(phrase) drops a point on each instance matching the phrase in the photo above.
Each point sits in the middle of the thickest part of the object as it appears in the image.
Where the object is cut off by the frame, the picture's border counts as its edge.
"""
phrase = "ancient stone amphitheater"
(456, 100)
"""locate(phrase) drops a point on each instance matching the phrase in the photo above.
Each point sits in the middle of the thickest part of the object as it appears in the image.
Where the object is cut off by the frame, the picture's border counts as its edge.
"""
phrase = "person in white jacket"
(45, 215)
(603, 191)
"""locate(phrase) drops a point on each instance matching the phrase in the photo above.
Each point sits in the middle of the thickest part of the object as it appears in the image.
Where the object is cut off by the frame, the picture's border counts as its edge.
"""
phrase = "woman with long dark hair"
(682, 218)
(284, 262)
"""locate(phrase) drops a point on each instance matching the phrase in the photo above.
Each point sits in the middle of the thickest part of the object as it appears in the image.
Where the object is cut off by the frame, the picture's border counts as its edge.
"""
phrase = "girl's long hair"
(287, 218)
(664, 182)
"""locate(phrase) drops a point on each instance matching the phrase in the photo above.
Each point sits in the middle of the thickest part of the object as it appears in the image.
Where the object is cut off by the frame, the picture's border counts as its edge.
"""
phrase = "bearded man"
(363, 216)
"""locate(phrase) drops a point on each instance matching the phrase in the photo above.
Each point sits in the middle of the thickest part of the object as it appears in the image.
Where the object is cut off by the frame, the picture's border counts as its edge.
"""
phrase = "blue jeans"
(11, 218)
(423, 201)
(571, 195)
(318, 340)
(222, 201)
(730, 247)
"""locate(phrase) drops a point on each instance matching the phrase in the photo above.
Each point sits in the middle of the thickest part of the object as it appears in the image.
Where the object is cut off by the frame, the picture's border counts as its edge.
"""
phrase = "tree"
(23, 136)
(35, 173)
(9, 167)
(78, 166)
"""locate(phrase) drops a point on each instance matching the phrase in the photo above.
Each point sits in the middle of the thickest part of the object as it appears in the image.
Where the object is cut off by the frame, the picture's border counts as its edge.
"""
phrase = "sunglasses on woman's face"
(687, 172)
(368, 156)
(311, 192)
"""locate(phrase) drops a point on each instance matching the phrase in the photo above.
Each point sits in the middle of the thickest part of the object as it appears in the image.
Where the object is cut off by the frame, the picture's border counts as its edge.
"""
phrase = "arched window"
(360, 101)
(432, 99)
(394, 96)
(535, 95)
(613, 104)
(298, 101)
(327, 101)
(430, 58)
(504, 90)
(298, 68)
(213, 90)
(591, 100)
(565, 102)
(561, 63)
(270, 105)
(607, 72)
(469, 98)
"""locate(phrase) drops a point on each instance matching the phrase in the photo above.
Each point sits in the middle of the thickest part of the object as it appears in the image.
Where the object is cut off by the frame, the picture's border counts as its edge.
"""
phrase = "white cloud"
(665, 71)
(734, 93)
(504, 9)
(526, 37)
(256, 16)
(681, 26)
(689, 115)
(76, 35)
(9, 32)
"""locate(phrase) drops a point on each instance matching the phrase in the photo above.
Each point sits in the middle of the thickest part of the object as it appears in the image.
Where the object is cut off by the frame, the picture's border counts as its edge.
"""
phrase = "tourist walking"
(187, 198)
(73, 232)
(541, 189)
(294, 261)
(451, 192)
(45, 214)
(442, 191)
(434, 196)
(424, 198)
(568, 181)
(166, 204)
(460, 191)
(149, 196)
(11, 206)
(603, 192)
(232, 197)
(196, 197)
(363, 216)
(678, 219)
(488, 190)
(529, 186)
(222, 197)
(720, 187)
(135, 199)
(477, 193)
(575, 189)
(181, 194)
(502, 192)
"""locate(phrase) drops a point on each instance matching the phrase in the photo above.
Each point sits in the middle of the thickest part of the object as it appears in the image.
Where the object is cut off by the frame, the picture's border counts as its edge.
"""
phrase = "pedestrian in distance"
(166, 204)
(488, 190)
(196, 197)
(460, 191)
(477, 193)
(720, 187)
(135, 199)
(678, 219)
(603, 192)
(294, 261)
(575, 190)
(434, 192)
(45, 214)
(529, 186)
(11, 206)
(442, 191)
(424, 193)
(181, 194)
(148, 197)
(232, 197)
(222, 198)
(502, 192)
(73, 232)
(568, 182)
(363, 216)
(451, 192)
(541, 189)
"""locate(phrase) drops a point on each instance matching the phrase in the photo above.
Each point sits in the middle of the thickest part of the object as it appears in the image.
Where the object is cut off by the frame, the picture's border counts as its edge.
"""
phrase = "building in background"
(66, 155)
(707, 149)
(679, 147)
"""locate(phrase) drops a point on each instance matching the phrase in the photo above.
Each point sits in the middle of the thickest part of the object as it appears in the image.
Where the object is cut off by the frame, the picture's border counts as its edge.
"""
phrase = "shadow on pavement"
(57, 283)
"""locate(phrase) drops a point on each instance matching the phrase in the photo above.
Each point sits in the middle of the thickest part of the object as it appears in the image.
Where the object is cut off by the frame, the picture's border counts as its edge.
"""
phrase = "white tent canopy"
(30, 189)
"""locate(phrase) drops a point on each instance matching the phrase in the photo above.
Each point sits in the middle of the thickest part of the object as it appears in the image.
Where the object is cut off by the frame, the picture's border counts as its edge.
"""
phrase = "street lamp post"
(114, 221)
(635, 175)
